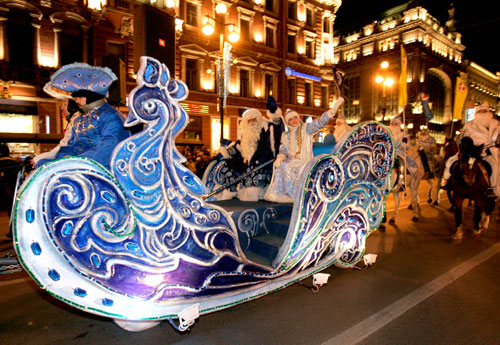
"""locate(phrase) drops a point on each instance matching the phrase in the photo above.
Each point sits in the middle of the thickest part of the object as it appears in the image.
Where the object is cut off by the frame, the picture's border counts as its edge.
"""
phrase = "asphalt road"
(423, 289)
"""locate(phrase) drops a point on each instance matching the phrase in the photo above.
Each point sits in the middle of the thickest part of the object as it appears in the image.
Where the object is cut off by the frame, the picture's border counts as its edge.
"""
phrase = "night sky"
(478, 22)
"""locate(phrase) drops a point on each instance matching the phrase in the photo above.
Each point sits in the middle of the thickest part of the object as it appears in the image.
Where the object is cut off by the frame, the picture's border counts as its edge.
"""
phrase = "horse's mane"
(470, 179)
(467, 149)
(467, 174)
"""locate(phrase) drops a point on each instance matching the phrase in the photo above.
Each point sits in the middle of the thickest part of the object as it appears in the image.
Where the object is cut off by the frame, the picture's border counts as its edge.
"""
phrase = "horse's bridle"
(469, 180)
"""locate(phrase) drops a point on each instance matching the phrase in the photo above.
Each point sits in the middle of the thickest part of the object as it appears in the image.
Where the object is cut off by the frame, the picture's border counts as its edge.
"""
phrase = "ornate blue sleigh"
(139, 244)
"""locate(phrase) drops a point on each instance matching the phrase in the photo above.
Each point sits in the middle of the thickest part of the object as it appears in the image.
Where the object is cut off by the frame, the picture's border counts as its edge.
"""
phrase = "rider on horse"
(483, 130)
(401, 143)
(427, 149)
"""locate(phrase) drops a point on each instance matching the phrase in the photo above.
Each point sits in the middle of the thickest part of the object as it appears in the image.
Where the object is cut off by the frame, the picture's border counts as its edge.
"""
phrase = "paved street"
(422, 290)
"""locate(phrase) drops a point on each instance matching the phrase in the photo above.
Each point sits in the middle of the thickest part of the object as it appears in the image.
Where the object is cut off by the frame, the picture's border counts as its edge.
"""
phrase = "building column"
(37, 54)
(4, 47)
(85, 43)
(57, 51)
(448, 109)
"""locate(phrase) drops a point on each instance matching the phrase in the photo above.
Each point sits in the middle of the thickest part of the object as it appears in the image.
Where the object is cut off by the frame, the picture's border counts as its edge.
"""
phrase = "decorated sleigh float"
(139, 244)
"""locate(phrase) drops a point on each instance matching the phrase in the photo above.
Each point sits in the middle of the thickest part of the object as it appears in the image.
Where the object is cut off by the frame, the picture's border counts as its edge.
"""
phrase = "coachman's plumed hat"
(80, 76)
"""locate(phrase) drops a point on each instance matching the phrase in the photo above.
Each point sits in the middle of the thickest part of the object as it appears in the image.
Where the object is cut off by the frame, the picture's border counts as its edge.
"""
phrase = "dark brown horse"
(470, 180)
(450, 148)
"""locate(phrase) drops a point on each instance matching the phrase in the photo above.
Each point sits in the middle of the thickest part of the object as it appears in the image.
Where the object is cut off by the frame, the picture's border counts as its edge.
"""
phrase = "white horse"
(411, 179)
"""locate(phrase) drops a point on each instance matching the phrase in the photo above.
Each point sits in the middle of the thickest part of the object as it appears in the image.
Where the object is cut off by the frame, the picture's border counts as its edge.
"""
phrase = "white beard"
(250, 135)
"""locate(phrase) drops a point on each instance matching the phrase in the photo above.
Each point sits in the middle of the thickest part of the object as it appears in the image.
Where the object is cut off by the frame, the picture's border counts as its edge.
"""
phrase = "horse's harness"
(469, 179)
(400, 168)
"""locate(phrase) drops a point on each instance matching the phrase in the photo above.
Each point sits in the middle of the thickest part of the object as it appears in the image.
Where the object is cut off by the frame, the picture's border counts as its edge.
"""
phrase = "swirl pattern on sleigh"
(138, 242)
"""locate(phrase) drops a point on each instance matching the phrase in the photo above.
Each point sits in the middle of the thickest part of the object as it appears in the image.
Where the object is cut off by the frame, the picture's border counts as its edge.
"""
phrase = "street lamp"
(386, 81)
(225, 57)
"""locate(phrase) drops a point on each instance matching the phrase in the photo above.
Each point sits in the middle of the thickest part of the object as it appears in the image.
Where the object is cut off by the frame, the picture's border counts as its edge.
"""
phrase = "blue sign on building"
(290, 72)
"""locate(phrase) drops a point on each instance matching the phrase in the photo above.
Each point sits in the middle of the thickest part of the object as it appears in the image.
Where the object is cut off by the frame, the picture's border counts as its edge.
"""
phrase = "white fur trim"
(289, 114)
(276, 116)
(252, 114)
(271, 140)
(249, 193)
(225, 195)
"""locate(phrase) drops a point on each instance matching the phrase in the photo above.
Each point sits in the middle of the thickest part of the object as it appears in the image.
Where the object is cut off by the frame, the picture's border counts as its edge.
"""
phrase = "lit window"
(269, 85)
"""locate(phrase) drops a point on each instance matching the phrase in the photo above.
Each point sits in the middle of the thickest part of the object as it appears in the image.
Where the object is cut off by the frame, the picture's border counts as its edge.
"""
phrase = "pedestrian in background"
(9, 168)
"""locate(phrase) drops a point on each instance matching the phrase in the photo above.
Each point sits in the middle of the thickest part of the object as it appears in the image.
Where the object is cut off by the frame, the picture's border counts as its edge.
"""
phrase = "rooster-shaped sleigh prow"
(139, 244)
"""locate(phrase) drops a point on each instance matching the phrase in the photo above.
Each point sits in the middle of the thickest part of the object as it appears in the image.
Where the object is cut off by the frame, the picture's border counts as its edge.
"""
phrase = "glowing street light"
(233, 36)
(221, 8)
(386, 81)
(208, 26)
(224, 60)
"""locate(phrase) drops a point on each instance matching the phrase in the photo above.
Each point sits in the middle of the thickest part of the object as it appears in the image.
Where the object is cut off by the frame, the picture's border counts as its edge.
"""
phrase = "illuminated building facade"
(38, 37)
(285, 50)
(434, 54)
(483, 86)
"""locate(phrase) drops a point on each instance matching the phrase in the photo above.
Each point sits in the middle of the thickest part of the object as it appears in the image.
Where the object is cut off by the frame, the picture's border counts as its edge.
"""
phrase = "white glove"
(276, 116)
(279, 159)
(224, 152)
(336, 106)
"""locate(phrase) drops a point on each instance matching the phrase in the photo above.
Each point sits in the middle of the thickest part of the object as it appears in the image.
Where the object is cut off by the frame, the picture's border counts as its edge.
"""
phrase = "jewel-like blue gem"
(108, 196)
(95, 259)
(132, 246)
(188, 180)
(30, 215)
(54, 275)
(80, 292)
(164, 78)
(35, 248)
(138, 194)
(67, 228)
(107, 302)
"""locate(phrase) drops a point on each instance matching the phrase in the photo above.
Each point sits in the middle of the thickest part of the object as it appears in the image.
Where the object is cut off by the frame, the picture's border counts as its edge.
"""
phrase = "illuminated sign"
(290, 72)
(469, 114)
(195, 108)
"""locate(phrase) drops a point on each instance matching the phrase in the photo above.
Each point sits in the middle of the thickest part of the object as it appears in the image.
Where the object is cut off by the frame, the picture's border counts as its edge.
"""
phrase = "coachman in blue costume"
(99, 129)
(258, 144)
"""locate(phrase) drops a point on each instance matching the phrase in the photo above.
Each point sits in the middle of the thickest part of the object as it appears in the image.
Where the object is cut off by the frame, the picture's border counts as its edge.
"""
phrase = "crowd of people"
(197, 159)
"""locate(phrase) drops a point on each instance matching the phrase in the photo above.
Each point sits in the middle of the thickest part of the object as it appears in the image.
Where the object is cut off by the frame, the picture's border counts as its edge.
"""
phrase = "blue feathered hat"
(81, 76)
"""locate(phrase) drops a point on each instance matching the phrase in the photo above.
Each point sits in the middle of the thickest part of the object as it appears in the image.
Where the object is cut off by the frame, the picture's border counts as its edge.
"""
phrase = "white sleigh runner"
(139, 244)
